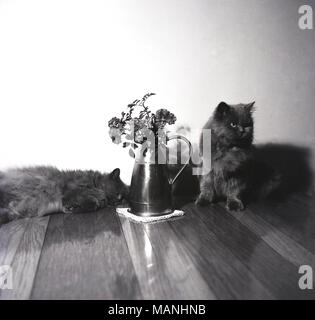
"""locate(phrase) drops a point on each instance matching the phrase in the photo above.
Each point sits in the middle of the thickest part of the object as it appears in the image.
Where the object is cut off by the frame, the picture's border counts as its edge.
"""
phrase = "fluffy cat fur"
(235, 175)
(37, 191)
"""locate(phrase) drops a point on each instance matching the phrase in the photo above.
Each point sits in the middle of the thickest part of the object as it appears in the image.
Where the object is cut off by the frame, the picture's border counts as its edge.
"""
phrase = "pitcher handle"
(180, 137)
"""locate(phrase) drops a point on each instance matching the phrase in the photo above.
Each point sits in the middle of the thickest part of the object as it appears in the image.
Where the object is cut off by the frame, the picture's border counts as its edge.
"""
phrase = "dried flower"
(137, 129)
(115, 123)
(115, 134)
(163, 117)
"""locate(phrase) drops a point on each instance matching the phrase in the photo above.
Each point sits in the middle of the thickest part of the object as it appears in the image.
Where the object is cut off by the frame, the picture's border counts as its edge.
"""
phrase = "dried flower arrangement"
(133, 130)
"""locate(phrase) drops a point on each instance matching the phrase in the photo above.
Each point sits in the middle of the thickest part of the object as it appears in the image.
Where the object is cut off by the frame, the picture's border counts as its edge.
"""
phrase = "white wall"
(67, 66)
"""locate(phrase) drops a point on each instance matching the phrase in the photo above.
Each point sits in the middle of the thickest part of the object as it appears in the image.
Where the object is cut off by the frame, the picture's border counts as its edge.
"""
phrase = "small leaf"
(131, 153)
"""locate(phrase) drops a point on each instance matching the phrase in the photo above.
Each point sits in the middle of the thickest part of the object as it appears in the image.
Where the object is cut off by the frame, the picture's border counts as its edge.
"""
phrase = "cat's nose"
(241, 129)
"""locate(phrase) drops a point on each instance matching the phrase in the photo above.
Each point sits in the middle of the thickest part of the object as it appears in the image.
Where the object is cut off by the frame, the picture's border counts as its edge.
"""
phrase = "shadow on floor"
(291, 161)
(186, 187)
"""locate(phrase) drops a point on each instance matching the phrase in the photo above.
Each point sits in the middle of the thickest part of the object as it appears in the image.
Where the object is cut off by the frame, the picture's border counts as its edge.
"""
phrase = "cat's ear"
(250, 107)
(115, 174)
(222, 109)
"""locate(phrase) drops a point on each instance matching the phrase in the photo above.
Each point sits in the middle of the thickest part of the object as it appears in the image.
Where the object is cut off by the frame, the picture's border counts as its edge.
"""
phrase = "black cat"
(235, 175)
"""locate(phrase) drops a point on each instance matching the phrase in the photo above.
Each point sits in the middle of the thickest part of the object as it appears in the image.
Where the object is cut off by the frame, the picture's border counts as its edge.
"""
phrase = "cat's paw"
(71, 208)
(82, 204)
(202, 201)
(234, 205)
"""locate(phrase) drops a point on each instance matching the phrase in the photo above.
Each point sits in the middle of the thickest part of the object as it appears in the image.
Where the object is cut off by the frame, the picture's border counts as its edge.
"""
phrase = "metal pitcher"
(151, 185)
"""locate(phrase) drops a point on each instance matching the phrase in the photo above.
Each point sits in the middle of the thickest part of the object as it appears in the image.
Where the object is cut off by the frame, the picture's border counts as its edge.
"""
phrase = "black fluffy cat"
(36, 191)
(235, 175)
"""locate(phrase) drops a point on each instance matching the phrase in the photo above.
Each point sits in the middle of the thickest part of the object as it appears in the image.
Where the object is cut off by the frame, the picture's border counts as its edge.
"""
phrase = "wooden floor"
(207, 254)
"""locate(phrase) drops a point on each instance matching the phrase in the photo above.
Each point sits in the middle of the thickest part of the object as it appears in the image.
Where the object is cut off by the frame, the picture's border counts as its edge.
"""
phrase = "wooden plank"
(276, 239)
(293, 218)
(225, 274)
(162, 265)
(85, 256)
(273, 270)
(24, 264)
(10, 237)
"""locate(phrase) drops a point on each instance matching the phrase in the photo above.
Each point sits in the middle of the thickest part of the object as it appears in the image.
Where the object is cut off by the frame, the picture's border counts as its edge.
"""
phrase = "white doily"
(125, 213)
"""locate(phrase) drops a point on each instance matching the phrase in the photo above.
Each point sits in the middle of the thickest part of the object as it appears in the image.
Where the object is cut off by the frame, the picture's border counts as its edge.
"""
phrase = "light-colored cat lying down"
(37, 191)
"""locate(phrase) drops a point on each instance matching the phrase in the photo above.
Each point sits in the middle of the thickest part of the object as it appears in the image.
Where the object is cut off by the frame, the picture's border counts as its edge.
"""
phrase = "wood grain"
(24, 264)
(225, 274)
(207, 254)
(10, 237)
(280, 242)
(85, 257)
(273, 270)
(295, 219)
(162, 265)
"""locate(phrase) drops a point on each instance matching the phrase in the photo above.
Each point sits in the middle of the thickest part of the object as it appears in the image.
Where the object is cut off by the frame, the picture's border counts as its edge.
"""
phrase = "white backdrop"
(68, 66)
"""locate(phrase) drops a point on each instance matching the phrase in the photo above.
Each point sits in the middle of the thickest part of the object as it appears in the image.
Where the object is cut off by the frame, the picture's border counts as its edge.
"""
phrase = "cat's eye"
(233, 124)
